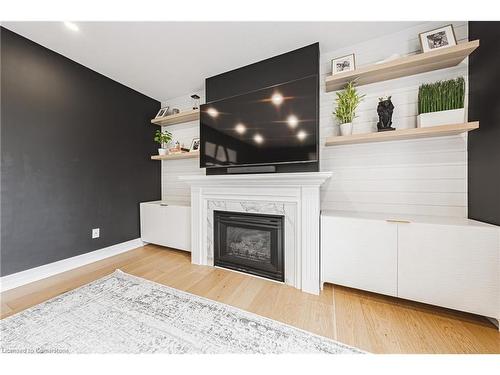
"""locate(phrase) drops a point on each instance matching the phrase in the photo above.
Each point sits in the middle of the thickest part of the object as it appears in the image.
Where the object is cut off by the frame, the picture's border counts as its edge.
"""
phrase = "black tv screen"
(275, 125)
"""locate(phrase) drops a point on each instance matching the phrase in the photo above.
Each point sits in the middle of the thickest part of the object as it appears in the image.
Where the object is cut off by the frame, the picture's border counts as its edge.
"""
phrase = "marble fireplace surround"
(296, 196)
(288, 210)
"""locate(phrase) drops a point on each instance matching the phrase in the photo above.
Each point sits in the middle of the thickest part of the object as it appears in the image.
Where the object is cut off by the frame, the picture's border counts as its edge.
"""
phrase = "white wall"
(172, 189)
(425, 176)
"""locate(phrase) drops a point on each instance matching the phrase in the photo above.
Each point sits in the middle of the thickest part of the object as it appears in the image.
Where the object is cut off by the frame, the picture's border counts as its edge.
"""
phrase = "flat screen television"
(270, 126)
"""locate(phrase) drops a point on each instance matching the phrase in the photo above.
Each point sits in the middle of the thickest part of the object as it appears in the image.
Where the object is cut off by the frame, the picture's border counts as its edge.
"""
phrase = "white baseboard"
(42, 272)
(496, 322)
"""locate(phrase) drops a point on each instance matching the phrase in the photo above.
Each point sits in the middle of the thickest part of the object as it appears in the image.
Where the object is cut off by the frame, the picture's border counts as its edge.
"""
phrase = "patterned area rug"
(122, 313)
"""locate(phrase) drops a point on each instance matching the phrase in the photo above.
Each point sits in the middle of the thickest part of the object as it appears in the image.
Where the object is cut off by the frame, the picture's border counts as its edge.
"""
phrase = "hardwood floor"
(368, 321)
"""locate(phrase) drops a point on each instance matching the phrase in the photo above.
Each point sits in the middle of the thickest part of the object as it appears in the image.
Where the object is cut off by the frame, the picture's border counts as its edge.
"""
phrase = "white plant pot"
(453, 116)
(346, 129)
(162, 151)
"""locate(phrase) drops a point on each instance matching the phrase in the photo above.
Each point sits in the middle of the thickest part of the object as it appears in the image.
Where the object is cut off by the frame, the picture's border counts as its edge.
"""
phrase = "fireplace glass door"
(251, 243)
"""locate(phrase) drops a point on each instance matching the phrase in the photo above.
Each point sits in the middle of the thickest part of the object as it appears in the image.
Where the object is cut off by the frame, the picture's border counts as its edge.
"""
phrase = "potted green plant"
(347, 101)
(163, 138)
(441, 103)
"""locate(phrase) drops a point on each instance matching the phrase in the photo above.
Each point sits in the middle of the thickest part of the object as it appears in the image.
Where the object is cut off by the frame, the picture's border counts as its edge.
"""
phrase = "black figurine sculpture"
(384, 110)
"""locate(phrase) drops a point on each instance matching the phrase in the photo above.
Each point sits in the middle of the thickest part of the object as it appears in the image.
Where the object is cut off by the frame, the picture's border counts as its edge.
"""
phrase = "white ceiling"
(168, 59)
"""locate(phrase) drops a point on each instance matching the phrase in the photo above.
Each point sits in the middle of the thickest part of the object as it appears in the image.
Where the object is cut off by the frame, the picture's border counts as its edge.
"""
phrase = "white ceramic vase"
(346, 129)
(162, 151)
(453, 116)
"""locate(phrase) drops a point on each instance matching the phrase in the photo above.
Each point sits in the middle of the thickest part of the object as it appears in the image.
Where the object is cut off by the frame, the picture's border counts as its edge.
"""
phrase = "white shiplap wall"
(426, 176)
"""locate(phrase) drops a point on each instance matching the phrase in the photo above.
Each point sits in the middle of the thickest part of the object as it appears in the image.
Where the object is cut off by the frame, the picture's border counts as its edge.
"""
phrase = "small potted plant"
(162, 137)
(347, 101)
(441, 103)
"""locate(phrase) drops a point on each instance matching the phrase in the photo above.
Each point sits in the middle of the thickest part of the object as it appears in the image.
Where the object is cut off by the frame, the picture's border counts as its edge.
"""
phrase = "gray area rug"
(121, 313)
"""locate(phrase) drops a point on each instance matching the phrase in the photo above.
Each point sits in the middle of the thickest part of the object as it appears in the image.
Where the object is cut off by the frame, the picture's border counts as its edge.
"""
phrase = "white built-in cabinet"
(166, 224)
(449, 262)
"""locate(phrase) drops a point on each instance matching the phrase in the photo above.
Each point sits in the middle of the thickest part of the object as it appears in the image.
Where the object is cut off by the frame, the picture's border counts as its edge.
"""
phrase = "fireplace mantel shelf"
(273, 179)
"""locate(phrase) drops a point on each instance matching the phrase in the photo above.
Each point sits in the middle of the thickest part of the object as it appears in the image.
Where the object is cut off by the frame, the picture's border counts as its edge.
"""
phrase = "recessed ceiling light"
(212, 112)
(301, 135)
(240, 128)
(72, 26)
(277, 98)
(293, 121)
(258, 138)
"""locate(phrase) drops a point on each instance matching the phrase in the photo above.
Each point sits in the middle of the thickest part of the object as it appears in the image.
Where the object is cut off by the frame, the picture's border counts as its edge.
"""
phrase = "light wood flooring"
(372, 322)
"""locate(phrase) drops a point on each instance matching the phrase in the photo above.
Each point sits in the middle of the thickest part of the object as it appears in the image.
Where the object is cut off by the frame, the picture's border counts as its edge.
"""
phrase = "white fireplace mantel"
(270, 179)
(296, 195)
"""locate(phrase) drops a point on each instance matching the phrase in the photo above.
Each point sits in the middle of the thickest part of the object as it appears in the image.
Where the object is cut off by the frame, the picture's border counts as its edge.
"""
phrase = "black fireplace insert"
(251, 243)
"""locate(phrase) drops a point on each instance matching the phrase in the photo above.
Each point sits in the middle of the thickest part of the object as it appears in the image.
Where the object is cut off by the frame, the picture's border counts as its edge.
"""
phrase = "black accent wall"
(484, 105)
(290, 66)
(75, 156)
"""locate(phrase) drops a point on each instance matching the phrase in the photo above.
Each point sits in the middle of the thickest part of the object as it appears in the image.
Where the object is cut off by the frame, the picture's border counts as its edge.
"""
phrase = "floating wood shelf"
(178, 118)
(181, 155)
(405, 66)
(433, 131)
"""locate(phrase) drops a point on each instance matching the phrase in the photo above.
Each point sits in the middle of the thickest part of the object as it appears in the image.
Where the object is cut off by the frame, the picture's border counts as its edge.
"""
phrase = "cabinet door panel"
(166, 225)
(451, 266)
(360, 253)
(152, 217)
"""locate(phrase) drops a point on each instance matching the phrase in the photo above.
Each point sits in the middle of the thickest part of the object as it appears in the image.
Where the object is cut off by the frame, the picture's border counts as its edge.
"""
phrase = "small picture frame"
(343, 64)
(442, 37)
(195, 145)
(162, 112)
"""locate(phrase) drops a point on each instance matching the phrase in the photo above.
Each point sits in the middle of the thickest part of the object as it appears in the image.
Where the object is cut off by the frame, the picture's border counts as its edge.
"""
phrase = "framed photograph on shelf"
(442, 37)
(162, 112)
(195, 145)
(343, 64)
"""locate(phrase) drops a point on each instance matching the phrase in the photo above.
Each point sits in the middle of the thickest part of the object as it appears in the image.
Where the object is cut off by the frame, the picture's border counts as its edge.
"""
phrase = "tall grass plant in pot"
(441, 103)
(346, 103)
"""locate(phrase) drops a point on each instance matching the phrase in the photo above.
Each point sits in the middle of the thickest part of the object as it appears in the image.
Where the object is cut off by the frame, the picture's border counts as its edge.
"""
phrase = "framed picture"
(442, 37)
(343, 64)
(162, 112)
(195, 145)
